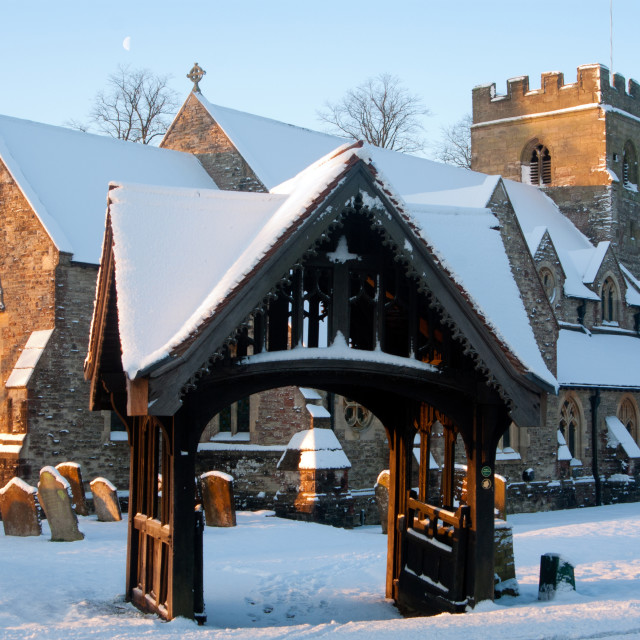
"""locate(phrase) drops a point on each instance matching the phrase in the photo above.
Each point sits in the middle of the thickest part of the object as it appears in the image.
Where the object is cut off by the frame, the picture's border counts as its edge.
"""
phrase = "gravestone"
(105, 500)
(504, 567)
(382, 498)
(556, 574)
(53, 494)
(217, 499)
(19, 508)
(72, 473)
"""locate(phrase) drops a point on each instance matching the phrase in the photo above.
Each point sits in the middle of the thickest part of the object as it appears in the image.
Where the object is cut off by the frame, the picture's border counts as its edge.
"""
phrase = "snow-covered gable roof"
(235, 231)
(632, 293)
(419, 181)
(64, 175)
(477, 259)
(537, 213)
(598, 360)
(416, 179)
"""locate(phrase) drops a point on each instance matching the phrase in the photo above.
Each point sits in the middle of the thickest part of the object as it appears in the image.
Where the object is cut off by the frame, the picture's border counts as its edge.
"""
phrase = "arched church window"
(629, 166)
(609, 301)
(539, 163)
(628, 416)
(548, 283)
(569, 425)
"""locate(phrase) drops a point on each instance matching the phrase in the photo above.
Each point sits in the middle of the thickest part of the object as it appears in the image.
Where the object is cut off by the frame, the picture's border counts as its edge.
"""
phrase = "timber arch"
(339, 291)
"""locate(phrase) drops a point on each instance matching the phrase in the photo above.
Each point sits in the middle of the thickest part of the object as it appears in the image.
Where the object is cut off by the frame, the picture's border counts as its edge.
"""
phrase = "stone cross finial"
(195, 75)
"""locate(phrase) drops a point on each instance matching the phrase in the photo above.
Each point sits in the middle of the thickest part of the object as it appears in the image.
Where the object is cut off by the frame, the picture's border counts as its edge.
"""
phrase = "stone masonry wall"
(195, 131)
(27, 275)
(61, 427)
(524, 270)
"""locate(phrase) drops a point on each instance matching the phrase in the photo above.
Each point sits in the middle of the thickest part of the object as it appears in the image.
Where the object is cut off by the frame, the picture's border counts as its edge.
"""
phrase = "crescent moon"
(126, 43)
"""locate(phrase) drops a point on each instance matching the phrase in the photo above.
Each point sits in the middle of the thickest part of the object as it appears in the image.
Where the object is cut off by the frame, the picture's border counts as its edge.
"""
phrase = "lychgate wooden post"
(401, 434)
(488, 424)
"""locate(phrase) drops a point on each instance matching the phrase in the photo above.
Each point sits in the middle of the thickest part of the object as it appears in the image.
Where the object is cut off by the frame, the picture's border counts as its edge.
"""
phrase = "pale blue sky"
(284, 58)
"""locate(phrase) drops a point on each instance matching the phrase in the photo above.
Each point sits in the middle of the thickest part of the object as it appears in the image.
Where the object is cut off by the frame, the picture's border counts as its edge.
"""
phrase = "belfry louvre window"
(540, 166)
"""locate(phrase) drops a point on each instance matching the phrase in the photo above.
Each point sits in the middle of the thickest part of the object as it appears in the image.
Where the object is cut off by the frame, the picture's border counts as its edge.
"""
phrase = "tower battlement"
(593, 86)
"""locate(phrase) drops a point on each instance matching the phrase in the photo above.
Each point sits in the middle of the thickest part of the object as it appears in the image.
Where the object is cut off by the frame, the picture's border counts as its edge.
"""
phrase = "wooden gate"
(433, 556)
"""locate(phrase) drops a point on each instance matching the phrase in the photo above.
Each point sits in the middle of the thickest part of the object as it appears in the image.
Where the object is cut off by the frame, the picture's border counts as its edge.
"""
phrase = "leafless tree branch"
(381, 112)
(455, 143)
(137, 105)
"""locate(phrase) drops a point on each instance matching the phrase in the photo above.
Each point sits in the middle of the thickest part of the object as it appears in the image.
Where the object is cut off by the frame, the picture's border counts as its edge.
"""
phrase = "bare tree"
(137, 106)
(380, 111)
(455, 143)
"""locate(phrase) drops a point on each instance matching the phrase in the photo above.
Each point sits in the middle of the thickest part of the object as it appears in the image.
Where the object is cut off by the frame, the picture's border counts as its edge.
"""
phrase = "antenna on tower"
(611, 35)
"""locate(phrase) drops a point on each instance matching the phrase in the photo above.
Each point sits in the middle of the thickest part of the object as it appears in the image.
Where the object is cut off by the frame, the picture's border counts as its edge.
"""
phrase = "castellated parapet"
(593, 86)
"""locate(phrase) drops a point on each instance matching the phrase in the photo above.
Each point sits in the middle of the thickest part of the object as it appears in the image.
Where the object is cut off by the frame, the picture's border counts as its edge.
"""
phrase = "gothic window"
(569, 425)
(356, 416)
(548, 283)
(609, 301)
(629, 166)
(539, 165)
(627, 415)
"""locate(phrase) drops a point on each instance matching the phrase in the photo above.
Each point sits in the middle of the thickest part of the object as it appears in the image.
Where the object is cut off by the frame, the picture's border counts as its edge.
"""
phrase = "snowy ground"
(271, 578)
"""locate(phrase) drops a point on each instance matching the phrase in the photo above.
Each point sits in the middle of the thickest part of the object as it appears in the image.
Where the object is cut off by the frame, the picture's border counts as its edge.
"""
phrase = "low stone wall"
(529, 497)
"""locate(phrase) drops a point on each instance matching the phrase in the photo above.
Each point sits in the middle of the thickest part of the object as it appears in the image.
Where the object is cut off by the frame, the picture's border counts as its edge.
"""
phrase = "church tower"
(579, 142)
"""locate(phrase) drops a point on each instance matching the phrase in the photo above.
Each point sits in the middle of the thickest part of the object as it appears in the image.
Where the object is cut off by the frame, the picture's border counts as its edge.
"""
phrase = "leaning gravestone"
(72, 473)
(19, 507)
(217, 499)
(53, 493)
(382, 498)
(105, 500)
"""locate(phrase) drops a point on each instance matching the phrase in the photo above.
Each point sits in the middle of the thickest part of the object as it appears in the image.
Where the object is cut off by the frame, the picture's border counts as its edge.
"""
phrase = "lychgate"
(327, 282)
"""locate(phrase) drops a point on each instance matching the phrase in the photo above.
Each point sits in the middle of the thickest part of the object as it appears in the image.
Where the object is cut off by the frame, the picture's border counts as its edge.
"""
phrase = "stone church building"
(555, 169)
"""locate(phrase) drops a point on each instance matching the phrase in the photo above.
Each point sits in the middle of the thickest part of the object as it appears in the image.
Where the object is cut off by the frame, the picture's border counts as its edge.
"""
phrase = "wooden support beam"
(489, 423)
(138, 397)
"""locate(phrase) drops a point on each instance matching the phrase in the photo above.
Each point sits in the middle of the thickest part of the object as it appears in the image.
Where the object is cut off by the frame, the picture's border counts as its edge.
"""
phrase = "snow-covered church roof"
(215, 240)
(420, 182)
(64, 175)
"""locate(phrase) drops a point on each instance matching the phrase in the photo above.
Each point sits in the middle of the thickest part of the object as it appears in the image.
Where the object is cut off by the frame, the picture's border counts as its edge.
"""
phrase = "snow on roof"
(597, 256)
(256, 138)
(216, 238)
(632, 294)
(534, 210)
(317, 411)
(618, 435)
(64, 174)
(476, 257)
(318, 449)
(28, 359)
(208, 239)
(600, 360)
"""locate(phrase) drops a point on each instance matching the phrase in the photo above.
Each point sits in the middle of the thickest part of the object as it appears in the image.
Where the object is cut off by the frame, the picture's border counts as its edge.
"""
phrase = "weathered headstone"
(382, 498)
(217, 499)
(19, 507)
(72, 473)
(504, 567)
(556, 574)
(105, 500)
(53, 494)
